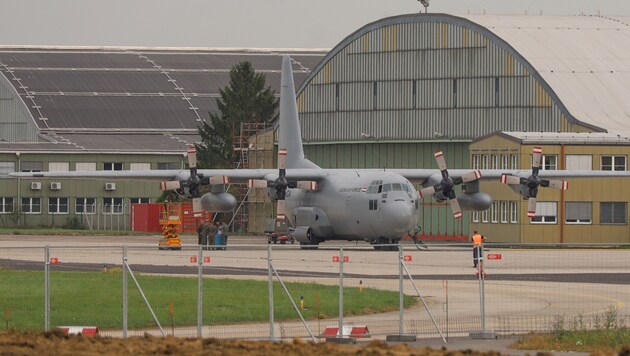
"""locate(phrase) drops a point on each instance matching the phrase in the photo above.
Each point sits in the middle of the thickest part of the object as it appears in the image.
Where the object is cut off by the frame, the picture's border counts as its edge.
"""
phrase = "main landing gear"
(383, 244)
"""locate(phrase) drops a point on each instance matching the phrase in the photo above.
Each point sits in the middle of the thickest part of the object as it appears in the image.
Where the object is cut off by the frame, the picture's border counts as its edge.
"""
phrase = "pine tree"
(244, 99)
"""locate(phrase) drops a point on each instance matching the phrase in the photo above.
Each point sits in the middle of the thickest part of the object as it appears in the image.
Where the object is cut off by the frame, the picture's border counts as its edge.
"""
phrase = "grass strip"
(93, 298)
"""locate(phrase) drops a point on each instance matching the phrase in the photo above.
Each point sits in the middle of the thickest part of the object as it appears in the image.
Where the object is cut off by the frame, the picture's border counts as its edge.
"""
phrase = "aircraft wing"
(235, 175)
(421, 175)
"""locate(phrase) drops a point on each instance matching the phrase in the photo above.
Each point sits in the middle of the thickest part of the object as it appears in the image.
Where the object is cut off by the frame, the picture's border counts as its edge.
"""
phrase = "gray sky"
(238, 23)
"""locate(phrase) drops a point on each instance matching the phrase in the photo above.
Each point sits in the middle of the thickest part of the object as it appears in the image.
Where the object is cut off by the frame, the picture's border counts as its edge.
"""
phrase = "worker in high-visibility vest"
(477, 240)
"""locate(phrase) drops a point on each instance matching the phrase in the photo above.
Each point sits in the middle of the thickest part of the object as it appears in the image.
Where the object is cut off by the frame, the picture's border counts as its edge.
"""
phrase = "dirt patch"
(59, 343)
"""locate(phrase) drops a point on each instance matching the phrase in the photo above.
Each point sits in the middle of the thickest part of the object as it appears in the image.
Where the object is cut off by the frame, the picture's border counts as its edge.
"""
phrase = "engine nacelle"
(218, 202)
(302, 234)
(479, 201)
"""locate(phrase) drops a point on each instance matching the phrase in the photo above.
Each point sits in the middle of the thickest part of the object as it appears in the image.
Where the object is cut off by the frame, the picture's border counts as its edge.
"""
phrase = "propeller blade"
(426, 191)
(537, 155)
(170, 185)
(509, 179)
(555, 184)
(307, 185)
(280, 211)
(282, 158)
(471, 176)
(192, 156)
(441, 161)
(531, 207)
(197, 210)
(457, 211)
(219, 180)
(257, 183)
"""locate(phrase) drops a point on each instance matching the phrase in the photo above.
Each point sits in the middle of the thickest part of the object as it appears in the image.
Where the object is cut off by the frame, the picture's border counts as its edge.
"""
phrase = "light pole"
(425, 3)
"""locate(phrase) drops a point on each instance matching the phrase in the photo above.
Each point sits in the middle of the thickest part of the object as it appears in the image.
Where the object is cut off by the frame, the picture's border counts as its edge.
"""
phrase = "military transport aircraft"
(375, 205)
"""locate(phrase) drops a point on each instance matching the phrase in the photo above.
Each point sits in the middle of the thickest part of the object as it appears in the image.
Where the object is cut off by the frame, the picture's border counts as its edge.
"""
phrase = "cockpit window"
(405, 187)
(387, 187)
(396, 187)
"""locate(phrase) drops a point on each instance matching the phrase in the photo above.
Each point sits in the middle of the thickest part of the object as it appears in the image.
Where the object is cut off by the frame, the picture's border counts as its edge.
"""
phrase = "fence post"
(47, 288)
(199, 291)
(124, 292)
(270, 284)
(341, 291)
(401, 304)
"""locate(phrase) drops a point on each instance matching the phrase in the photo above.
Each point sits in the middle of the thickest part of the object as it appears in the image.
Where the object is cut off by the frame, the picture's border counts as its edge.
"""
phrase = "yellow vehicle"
(170, 231)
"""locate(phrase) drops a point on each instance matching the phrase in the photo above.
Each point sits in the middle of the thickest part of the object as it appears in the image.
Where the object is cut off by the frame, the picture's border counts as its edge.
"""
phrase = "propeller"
(529, 186)
(193, 182)
(281, 184)
(447, 185)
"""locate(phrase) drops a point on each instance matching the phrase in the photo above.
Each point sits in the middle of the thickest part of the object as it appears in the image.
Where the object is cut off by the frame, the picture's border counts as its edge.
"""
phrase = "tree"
(244, 99)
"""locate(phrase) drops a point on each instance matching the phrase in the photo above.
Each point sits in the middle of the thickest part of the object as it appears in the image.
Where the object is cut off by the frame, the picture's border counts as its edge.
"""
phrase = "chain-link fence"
(281, 291)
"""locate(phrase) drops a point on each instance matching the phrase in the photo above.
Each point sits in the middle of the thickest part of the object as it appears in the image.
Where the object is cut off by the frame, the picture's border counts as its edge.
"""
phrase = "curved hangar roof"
(81, 97)
(512, 73)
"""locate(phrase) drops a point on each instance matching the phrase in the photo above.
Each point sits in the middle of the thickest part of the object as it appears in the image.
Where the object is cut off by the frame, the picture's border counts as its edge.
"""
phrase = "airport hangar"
(485, 89)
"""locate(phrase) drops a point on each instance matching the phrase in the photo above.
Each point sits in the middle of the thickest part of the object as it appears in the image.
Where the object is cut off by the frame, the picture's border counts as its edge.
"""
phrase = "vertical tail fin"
(290, 135)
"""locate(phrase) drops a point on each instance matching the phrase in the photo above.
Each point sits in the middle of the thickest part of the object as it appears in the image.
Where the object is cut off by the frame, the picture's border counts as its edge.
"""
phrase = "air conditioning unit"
(36, 185)
(55, 185)
(110, 186)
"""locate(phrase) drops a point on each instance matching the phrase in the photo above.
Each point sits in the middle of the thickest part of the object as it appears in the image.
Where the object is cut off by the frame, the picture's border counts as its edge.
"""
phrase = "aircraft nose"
(397, 216)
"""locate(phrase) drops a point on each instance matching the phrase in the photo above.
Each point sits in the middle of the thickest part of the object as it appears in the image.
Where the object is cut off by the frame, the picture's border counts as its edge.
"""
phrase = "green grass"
(604, 334)
(91, 298)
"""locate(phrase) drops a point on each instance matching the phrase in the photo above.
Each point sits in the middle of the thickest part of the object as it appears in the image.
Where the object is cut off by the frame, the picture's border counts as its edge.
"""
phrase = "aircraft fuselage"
(375, 206)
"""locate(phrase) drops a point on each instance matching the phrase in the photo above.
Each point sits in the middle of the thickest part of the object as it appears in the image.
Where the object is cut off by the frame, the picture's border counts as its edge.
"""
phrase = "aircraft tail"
(290, 134)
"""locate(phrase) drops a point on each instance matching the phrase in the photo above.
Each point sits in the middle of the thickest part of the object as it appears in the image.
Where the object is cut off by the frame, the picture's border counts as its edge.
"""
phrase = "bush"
(73, 223)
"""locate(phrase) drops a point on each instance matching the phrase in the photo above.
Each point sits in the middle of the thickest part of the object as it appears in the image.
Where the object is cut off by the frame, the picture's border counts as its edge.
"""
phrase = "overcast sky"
(238, 23)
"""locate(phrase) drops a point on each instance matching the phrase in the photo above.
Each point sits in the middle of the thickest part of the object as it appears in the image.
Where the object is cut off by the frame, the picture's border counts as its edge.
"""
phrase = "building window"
(475, 216)
(579, 162)
(613, 213)
(548, 162)
(32, 166)
(578, 212)
(6, 168)
(484, 161)
(113, 166)
(546, 213)
(505, 162)
(495, 161)
(58, 205)
(613, 163)
(475, 162)
(85, 206)
(32, 205)
(455, 93)
(494, 212)
(484, 216)
(140, 166)
(514, 212)
(337, 97)
(140, 200)
(375, 97)
(414, 90)
(167, 165)
(514, 161)
(86, 166)
(58, 166)
(504, 211)
(6, 205)
(112, 205)
(496, 92)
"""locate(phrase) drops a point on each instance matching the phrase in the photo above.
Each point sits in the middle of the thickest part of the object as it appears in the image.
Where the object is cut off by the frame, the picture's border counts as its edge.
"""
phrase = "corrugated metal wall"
(409, 81)
(16, 123)
(419, 85)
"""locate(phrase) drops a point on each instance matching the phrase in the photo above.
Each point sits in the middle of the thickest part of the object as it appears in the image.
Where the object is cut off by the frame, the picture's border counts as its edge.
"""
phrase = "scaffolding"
(253, 148)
